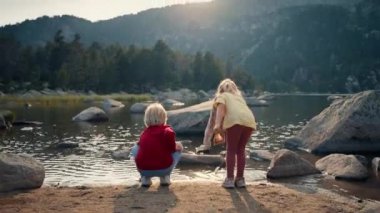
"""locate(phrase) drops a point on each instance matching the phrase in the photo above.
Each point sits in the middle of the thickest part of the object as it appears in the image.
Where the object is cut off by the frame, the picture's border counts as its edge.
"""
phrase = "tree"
(213, 71)
(163, 59)
(197, 67)
(9, 60)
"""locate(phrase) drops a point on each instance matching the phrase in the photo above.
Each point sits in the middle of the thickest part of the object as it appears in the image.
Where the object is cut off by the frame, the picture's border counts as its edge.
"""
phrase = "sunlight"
(18, 10)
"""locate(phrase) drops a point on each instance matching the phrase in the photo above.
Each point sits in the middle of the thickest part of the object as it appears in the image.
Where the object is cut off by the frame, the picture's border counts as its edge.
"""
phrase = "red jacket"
(156, 145)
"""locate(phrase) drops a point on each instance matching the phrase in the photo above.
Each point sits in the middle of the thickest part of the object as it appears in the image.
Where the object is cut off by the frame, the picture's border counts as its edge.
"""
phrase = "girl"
(237, 122)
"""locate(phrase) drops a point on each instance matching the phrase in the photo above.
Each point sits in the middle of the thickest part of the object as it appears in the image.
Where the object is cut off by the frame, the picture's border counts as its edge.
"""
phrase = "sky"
(15, 11)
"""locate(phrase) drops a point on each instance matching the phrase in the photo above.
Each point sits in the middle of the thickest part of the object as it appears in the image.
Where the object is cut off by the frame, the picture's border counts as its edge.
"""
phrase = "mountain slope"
(319, 45)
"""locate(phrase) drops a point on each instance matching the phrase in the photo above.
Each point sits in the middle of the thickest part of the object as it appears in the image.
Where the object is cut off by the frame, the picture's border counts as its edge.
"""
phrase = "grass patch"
(72, 99)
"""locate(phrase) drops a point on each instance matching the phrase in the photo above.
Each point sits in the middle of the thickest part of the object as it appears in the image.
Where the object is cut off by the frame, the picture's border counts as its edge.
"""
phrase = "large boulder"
(342, 166)
(190, 120)
(92, 114)
(347, 126)
(20, 172)
(286, 163)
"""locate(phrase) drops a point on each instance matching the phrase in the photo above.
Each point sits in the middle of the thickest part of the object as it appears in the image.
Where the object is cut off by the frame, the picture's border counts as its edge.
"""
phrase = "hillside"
(320, 45)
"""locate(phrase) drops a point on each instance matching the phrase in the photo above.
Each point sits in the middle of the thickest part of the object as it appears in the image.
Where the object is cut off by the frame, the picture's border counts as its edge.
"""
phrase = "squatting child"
(156, 153)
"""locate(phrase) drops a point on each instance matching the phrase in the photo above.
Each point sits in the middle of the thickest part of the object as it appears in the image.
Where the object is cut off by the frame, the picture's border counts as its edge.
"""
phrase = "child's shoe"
(240, 182)
(228, 183)
(165, 181)
(146, 181)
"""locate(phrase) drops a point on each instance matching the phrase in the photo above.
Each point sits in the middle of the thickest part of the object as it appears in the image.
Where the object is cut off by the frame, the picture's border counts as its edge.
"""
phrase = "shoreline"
(182, 196)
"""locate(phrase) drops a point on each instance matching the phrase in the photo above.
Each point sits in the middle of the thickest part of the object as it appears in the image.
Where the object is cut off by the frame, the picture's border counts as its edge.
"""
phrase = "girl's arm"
(220, 113)
(209, 128)
(170, 139)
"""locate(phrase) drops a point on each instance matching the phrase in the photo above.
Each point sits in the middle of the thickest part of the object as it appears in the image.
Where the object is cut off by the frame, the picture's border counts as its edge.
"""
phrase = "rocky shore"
(347, 126)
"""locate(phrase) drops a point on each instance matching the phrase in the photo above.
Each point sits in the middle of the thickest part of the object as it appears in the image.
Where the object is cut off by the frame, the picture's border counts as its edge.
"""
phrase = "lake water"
(91, 163)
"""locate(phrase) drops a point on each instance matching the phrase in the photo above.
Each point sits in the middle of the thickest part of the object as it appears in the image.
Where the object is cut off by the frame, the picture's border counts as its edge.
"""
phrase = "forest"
(109, 68)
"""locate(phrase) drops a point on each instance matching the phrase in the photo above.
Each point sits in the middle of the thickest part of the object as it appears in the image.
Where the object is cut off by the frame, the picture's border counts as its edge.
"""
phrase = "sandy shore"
(179, 197)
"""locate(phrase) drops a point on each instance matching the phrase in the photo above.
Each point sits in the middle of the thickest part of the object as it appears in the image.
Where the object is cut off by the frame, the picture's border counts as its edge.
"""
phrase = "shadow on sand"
(244, 202)
(153, 199)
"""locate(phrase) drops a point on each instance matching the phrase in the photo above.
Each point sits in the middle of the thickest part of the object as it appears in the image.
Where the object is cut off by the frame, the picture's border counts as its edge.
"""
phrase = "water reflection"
(91, 162)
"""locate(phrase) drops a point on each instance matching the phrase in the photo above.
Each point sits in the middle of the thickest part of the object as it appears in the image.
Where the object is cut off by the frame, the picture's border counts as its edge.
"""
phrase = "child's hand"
(218, 129)
(178, 146)
(218, 139)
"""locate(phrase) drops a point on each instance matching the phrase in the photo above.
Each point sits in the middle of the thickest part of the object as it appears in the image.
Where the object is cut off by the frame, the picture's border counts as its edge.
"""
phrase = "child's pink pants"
(237, 137)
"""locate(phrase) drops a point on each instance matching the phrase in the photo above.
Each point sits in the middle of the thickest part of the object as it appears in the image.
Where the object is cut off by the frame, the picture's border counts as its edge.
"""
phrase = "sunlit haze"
(14, 11)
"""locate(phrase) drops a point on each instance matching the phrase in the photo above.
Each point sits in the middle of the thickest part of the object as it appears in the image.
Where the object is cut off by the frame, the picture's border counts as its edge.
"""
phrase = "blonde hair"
(227, 85)
(155, 114)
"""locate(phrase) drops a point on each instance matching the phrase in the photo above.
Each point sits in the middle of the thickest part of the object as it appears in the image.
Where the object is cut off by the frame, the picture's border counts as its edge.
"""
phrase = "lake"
(91, 163)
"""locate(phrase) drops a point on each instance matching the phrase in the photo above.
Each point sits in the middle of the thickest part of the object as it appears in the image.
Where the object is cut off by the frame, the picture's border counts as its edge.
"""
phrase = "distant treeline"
(71, 65)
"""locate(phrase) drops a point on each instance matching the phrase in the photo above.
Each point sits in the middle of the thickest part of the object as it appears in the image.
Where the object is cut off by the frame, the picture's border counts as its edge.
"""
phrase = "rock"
(261, 155)
(183, 95)
(190, 120)
(292, 143)
(254, 102)
(110, 103)
(6, 119)
(193, 159)
(204, 96)
(66, 145)
(266, 97)
(92, 114)
(48, 91)
(170, 103)
(334, 97)
(27, 128)
(26, 123)
(91, 93)
(60, 92)
(121, 154)
(376, 165)
(20, 172)
(286, 163)
(31, 93)
(139, 107)
(342, 166)
(363, 160)
(349, 125)
(3, 123)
